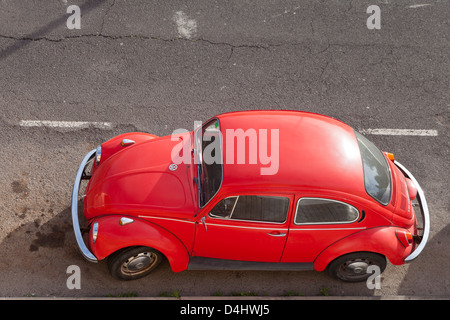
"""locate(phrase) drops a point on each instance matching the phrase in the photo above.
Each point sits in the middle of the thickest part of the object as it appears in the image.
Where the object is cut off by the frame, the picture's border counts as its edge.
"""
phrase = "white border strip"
(401, 132)
(65, 124)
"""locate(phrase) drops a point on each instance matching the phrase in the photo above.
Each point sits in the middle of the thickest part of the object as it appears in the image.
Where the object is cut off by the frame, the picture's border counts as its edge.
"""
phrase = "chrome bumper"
(424, 211)
(76, 224)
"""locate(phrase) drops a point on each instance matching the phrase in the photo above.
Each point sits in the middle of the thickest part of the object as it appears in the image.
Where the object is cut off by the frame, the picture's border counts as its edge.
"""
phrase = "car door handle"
(276, 234)
(202, 220)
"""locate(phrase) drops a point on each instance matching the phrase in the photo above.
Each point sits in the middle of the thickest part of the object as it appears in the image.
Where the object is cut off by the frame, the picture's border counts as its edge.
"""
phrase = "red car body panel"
(112, 237)
(308, 241)
(136, 180)
(380, 240)
(113, 145)
(221, 238)
(318, 157)
(315, 152)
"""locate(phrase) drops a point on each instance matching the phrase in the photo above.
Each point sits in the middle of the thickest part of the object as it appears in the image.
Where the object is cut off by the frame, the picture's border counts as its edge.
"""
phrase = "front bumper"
(424, 212)
(76, 224)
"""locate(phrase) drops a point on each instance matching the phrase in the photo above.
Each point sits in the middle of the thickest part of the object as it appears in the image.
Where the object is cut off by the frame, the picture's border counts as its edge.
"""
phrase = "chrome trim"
(202, 220)
(277, 234)
(424, 210)
(127, 142)
(200, 128)
(94, 231)
(98, 154)
(325, 229)
(124, 221)
(232, 209)
(278, 228)
(328, 222)
(234, 206)
(164, 218)
(230, 217)
(76, 224)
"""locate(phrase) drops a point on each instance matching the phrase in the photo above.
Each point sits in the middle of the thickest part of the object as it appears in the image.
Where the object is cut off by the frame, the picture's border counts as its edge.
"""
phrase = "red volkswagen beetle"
(252, 190)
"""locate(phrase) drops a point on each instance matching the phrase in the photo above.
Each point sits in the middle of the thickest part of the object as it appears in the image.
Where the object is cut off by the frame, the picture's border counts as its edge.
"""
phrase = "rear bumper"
(76, 224)
(423, 210)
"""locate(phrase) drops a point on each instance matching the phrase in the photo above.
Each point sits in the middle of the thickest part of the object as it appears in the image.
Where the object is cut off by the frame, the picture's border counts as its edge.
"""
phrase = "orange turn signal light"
(391, 156)
(405, 237)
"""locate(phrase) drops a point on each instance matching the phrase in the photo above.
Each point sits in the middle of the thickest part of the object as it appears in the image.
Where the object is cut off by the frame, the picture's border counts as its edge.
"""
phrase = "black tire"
(353, 267)
(134, 262)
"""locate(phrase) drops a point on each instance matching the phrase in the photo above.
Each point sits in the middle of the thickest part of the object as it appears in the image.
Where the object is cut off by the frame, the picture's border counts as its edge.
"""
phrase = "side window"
(224, 208)
(252, 208)
(316, 210)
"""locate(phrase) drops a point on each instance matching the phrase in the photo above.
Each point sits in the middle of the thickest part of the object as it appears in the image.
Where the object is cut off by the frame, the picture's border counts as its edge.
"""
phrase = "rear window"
(377, 176)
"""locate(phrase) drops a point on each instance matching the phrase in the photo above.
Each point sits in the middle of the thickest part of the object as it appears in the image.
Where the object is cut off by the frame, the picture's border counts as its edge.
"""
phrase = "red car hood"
(137, 181)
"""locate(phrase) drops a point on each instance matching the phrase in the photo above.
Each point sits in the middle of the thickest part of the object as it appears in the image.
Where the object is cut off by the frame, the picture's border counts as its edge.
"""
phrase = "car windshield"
(377, 176)
(209, 160)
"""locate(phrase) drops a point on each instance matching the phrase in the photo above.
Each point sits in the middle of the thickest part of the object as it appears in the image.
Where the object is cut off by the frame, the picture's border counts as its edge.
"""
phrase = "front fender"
(113, 145)
(382, 240)
(111, 237)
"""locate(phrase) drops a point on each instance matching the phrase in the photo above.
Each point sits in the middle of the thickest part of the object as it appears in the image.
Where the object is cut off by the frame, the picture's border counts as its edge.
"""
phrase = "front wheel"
(353, 267)
(134, 263)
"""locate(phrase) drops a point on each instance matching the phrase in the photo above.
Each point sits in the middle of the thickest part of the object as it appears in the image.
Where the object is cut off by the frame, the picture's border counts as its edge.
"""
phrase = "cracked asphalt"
(157, 66)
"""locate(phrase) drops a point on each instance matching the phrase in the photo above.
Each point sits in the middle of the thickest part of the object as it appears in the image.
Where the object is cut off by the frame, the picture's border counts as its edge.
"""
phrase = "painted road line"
(414, 6)
(66, 124)
(109, 125)
(401, 132)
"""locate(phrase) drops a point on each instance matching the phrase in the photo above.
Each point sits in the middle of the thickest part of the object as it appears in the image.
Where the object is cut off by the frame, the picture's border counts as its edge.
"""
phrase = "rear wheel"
(353, 267)
(134, 263)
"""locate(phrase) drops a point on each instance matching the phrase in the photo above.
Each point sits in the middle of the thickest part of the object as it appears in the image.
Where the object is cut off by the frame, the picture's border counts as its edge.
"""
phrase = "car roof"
(315, 152)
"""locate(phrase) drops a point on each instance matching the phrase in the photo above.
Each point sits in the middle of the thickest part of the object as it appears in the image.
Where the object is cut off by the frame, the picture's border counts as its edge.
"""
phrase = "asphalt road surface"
(157, 66)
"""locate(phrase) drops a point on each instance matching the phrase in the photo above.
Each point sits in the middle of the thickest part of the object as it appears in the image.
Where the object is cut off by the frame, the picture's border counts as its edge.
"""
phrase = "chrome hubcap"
(354, 269)
(139, 263)
(359, 267)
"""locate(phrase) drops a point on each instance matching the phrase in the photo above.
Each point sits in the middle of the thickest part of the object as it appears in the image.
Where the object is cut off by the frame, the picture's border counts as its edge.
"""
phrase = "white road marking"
(66, 124)
(401, 132)
(108, 125)
(187, 28)
(414, 6)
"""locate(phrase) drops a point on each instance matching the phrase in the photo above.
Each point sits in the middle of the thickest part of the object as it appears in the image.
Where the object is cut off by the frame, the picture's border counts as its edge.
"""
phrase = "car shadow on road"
(429, 273)
(35, 257)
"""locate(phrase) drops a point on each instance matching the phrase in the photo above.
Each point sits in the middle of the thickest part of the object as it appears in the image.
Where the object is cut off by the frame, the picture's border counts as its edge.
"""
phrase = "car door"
(244, 227)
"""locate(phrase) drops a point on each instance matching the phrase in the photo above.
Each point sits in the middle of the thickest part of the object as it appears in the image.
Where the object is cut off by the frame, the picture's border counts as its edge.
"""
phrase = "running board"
(201, 263)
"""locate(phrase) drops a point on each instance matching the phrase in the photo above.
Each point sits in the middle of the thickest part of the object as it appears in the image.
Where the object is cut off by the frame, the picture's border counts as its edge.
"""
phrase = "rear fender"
(112, 237)
(381, 240)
